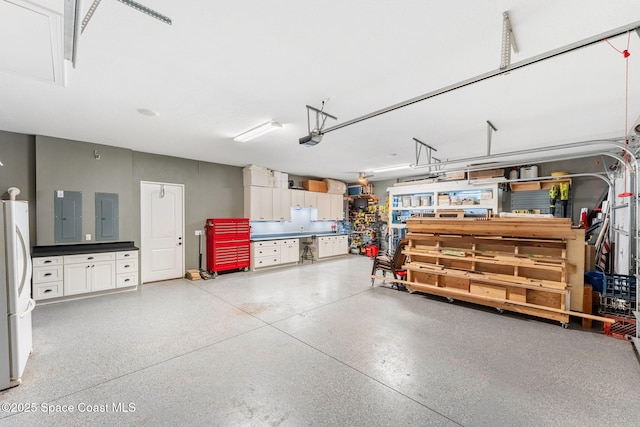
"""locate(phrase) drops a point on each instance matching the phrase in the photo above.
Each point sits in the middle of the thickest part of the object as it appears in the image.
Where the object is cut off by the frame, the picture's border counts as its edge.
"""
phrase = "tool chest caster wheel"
(246, 269)
(564, 325)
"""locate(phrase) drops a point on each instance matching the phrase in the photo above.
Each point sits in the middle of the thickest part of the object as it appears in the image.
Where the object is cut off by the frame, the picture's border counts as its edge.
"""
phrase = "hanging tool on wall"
(564, 197)
(553, 195)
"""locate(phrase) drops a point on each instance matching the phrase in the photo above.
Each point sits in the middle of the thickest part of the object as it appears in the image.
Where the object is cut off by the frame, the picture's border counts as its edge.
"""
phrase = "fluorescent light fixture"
(258, 131)
(391, 168)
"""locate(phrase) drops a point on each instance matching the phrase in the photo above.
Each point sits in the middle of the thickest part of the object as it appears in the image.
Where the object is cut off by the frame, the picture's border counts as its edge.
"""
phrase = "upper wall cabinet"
(67, 206)
(107, 216)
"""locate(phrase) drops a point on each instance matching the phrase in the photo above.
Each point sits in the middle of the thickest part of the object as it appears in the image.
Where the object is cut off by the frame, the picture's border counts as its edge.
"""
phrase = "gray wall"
(71, 166)
(17, 153)
(211, 190)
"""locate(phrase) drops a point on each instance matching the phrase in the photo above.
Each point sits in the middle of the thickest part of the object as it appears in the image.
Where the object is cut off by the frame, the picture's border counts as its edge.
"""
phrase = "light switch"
(87, 237)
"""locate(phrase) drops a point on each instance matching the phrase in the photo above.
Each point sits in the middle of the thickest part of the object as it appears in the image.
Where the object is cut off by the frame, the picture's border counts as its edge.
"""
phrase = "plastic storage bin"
(596, 279)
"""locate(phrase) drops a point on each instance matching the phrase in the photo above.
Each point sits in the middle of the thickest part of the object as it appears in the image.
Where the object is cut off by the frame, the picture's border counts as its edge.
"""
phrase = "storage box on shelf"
(534, 267)
(315, 186)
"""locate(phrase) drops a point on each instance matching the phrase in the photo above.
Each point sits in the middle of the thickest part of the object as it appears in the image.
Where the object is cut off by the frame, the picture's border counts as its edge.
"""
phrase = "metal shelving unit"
(425, 199)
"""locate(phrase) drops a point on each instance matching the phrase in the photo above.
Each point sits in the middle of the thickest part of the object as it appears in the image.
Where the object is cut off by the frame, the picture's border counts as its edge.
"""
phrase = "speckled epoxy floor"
(313, 345)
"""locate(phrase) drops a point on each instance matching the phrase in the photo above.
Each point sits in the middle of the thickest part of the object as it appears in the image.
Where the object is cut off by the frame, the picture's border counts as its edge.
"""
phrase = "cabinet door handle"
(47, 274)
(47, 261)
(127, 280)
(90, 257)
(46, 291)
(126, 255)
(127, 266)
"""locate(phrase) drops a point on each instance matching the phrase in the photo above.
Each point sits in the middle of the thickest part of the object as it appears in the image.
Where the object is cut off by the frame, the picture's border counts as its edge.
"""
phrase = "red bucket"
(372, 251)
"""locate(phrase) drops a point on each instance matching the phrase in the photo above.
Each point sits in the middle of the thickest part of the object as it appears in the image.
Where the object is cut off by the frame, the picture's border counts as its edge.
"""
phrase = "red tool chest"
(228, 244)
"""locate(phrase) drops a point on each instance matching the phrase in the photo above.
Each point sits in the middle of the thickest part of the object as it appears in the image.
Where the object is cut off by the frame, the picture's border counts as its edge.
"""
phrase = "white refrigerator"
(15, 292)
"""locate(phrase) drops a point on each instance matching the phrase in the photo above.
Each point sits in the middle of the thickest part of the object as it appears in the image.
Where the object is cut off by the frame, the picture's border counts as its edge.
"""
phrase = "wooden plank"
(575, 253)
(517, 294)
(552, 228)
(488, 290)
(546, 299)
(507, 305)
(501, 260)
(586, 305)
(454, 282)
(489, 278)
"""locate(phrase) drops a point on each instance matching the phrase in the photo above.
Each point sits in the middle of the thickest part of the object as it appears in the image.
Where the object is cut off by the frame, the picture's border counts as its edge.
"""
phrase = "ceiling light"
(258, 131)
(147, 112)
(391, 168)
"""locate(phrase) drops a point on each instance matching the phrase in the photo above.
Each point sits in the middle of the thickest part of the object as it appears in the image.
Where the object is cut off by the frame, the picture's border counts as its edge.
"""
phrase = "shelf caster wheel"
(564, 325)
(499, 310)
(450, 300)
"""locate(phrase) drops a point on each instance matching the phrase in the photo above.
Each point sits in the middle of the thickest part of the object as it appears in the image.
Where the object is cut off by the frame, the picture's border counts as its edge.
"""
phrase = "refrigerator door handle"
(30, 307)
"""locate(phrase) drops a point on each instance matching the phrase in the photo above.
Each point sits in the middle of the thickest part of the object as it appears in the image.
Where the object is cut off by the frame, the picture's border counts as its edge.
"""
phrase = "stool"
(307, 251)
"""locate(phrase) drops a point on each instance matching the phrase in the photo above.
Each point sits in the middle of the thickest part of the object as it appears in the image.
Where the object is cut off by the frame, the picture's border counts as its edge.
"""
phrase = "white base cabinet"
(69, 275)
(269, 253)
(329, 246)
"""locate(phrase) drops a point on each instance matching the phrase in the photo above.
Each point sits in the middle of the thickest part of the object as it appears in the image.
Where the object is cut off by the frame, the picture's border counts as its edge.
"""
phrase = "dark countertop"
(293, 235)
(82, 248)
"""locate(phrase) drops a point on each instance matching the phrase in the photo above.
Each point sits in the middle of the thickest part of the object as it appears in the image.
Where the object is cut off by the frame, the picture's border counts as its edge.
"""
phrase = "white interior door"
(162, 231)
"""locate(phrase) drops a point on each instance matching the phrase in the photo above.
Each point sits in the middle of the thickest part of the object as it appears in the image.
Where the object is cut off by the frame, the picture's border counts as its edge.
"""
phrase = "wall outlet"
(87, 237)
(199, 233)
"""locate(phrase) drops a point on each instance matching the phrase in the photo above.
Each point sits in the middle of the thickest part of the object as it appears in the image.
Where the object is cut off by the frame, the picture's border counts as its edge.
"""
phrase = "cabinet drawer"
(47, 290)
(76, 259)
(261, 252)
(126, 266)
(266, 244)
(47, 274)
(50, 260)
(127, 255)
(267, 261)
(125, 280)
(290, 242)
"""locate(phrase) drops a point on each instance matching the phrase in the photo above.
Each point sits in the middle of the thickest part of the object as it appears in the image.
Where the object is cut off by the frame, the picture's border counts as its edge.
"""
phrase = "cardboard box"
(317, 186)
(486, 174)
(257, 178)
(193, 275)
(453, 176)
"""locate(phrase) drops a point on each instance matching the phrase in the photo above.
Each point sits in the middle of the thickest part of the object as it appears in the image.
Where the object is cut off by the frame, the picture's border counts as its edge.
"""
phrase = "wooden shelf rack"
(531, 266)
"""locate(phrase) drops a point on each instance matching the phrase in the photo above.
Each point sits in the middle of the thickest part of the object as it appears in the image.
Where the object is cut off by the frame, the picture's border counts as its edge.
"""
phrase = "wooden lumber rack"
(531, 266)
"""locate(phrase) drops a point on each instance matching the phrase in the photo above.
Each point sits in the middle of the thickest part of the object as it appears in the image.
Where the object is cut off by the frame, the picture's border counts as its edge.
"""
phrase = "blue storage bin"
(596, 279)
(620, 286)
(354, 190)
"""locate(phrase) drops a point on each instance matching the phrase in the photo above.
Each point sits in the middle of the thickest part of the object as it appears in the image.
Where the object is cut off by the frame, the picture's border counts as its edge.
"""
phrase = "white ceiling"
(225, 67)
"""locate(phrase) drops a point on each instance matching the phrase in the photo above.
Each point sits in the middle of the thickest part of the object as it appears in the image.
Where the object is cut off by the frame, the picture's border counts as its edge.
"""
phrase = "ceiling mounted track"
(315, 134)
(473, 80)
(490, 129)
(135, 5)
(508, 41)
(428, 152)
